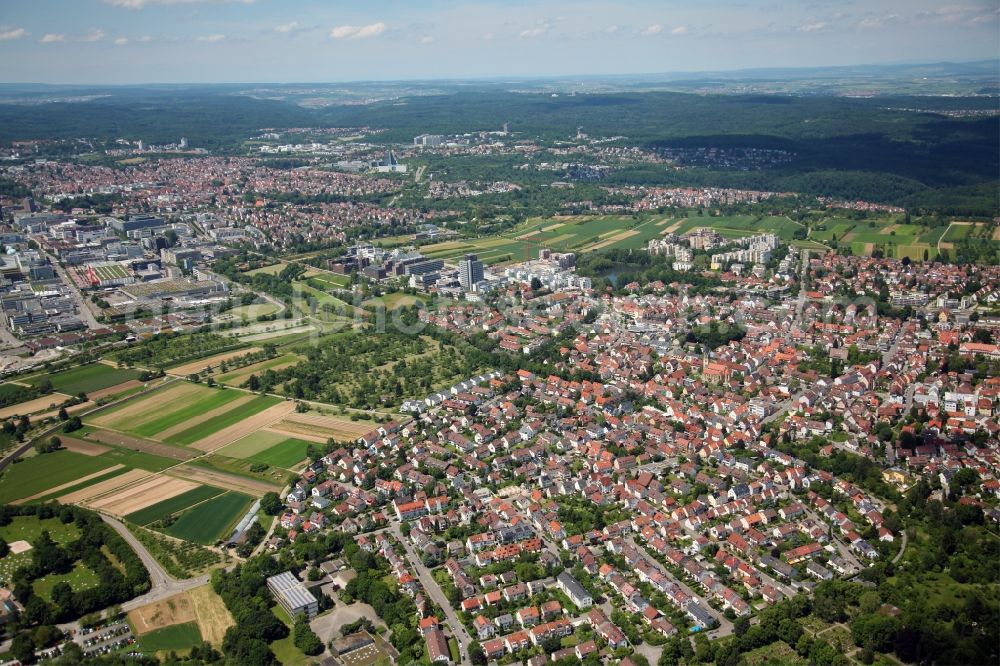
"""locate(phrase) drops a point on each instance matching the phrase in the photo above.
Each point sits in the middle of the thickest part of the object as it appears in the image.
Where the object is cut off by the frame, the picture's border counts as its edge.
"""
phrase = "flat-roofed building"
(293, 595)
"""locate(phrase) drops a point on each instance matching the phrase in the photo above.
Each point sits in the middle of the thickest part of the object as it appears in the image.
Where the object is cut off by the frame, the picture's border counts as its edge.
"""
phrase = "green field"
(243, 467)
(173, 415)
(591, 233)
(173, 505)
(268, 447)
(331, 280)
(233, 416)
(138, 459)
(212, 520)
(35, 474)
(80, 578)
(80, 486)
(86, 378)
(287, 453)
(178, 638)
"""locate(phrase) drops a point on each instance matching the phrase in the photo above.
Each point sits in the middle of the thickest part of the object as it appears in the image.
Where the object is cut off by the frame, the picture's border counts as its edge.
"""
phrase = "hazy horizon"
(129, 42)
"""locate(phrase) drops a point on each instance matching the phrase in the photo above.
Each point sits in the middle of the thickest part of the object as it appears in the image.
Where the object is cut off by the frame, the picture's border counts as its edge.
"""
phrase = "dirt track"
(144, 445)
(218, 479)
(246, 427)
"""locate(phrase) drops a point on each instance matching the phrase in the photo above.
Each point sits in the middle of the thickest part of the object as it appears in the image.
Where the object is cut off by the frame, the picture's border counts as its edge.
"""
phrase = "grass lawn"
(35, 474)
(86, 378)
(178, 637)
(27, 528)
(233, 416)
(285, 649)
(80, 578)
(173, 505)
(331, 280)
(212, 520)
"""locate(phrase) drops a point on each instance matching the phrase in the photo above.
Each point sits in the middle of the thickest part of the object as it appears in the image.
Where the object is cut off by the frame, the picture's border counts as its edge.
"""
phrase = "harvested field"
(612, 240)
(136, 412)
(82, 446)
(117, 388)
(222, 480)
(213, 616)
(202, 363)
(144, 445)
(144, 494)
(32, 406)
(177, 609)
(72, 483)
(104, 487)
(324, 426)
(207, 416)
(245, 427)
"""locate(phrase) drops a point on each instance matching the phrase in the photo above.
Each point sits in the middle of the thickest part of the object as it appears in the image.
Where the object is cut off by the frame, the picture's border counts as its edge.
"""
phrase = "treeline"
(49, 558)
(169, 347)
(244, 591)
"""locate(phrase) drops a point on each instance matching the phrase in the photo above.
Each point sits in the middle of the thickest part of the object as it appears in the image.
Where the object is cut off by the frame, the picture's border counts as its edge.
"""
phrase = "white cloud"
(358, 32)
(611, 29)
(94, 35)
(875, 22)
(427, 40)
(287, 27)
(654, 29)
(537, 31)
(211, 39)
(139, 4)
(13, 33)
(679, 30)
(51, 37)
(121, 41)
(816, 26)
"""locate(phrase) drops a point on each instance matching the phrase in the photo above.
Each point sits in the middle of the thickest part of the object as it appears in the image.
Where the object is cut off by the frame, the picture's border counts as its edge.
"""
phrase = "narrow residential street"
(434, 590)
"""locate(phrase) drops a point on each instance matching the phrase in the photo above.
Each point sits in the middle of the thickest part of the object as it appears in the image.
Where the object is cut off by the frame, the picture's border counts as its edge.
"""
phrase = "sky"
(212, 41)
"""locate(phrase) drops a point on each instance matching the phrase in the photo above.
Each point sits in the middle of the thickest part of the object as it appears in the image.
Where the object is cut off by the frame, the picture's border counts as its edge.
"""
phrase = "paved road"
(434, 590)
(163, 585)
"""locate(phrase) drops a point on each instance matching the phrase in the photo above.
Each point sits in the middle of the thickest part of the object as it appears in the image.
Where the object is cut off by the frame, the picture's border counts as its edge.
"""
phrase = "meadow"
(270, 448)
(176, 638)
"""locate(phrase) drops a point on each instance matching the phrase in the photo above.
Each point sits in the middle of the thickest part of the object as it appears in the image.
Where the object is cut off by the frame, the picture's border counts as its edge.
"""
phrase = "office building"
(470, 272)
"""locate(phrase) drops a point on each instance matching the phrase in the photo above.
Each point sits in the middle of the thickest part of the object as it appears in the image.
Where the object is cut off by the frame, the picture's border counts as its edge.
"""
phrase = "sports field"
(169, 507)
(86, 378)
(211, 520)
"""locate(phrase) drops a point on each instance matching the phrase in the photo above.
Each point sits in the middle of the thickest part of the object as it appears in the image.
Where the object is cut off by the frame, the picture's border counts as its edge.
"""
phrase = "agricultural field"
(268, 447)
(186, 413)
(38, 473)
(170, 619)
(319, 428)
(174, 638)
(212, 361)
(211, 520)
(44, 403)
(167, 508)
(86, 378)
(241, 474)
(589, 233)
